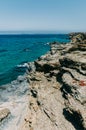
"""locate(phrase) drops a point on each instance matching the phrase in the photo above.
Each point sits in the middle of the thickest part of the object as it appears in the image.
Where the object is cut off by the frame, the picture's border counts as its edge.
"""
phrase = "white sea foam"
(23, 65)
(15, 98)
(47, 43)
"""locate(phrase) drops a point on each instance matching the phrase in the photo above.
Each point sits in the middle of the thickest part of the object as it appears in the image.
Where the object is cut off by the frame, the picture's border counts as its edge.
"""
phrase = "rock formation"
(57, 88)
(57, 97)
(4, 113)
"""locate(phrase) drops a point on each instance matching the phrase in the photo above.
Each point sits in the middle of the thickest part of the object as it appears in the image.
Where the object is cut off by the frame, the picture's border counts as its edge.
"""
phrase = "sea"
(18, 49)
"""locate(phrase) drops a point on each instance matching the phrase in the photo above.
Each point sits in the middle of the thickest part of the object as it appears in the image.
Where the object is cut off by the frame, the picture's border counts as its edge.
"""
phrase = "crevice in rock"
(50, 118)
(74, 118)
(65, 89)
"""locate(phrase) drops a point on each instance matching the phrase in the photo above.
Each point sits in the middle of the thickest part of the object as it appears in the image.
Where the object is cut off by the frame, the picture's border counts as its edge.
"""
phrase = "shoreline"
(59, 75)
(18, 69)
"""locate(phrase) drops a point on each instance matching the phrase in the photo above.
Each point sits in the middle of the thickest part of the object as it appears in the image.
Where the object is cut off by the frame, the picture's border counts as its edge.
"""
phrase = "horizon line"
(35, 32)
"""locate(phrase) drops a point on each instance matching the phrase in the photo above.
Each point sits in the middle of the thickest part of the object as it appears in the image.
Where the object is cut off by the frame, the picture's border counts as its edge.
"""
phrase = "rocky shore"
(55, 90)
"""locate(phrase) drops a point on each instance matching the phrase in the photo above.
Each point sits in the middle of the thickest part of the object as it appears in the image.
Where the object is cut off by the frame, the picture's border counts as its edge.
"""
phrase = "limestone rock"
(46, 66)
(4, 113)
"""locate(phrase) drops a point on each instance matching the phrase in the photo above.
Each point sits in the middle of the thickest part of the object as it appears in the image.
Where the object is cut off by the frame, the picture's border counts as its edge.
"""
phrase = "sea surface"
(16, 50)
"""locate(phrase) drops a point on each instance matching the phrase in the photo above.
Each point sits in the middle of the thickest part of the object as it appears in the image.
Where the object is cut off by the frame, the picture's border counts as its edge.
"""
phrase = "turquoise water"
(19, 49)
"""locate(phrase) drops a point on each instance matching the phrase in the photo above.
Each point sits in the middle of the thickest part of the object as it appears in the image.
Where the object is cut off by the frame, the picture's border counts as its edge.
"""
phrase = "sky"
(43, 15)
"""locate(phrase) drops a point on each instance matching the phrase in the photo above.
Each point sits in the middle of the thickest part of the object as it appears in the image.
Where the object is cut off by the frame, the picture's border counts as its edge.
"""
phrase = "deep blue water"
(18, 49)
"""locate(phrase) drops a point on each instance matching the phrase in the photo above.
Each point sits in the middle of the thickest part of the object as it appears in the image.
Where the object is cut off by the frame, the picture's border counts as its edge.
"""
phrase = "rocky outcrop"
(57, 97)
(77, 37)
(46, 104)
(73, 77)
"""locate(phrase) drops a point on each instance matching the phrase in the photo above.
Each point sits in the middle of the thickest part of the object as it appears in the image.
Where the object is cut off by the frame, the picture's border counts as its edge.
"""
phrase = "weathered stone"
(77, 111)
(57, 96)
(4, 113)
(46, 66)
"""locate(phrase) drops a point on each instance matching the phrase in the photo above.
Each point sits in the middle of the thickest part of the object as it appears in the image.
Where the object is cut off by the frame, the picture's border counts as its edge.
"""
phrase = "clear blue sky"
(43, 15)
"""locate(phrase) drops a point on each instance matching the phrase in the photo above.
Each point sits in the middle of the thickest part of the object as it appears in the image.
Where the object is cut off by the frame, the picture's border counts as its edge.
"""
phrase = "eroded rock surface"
(4, 113)
(57, 98)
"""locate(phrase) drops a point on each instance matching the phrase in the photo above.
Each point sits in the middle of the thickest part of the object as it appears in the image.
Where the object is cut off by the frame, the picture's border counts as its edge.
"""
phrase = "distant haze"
(42, 16)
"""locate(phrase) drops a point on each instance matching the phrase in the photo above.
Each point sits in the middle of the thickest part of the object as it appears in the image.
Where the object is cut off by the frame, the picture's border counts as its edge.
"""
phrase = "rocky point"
(58, 87)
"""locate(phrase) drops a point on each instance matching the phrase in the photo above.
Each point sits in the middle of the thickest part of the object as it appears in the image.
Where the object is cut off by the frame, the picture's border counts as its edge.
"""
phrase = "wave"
(24, 65)
(47, 43)
(12, 74)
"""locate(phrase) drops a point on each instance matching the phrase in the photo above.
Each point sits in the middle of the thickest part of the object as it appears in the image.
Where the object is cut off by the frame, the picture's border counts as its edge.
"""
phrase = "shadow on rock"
(74, 118)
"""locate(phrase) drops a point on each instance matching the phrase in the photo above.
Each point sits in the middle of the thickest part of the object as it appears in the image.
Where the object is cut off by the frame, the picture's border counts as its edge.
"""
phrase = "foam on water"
(14, 96)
